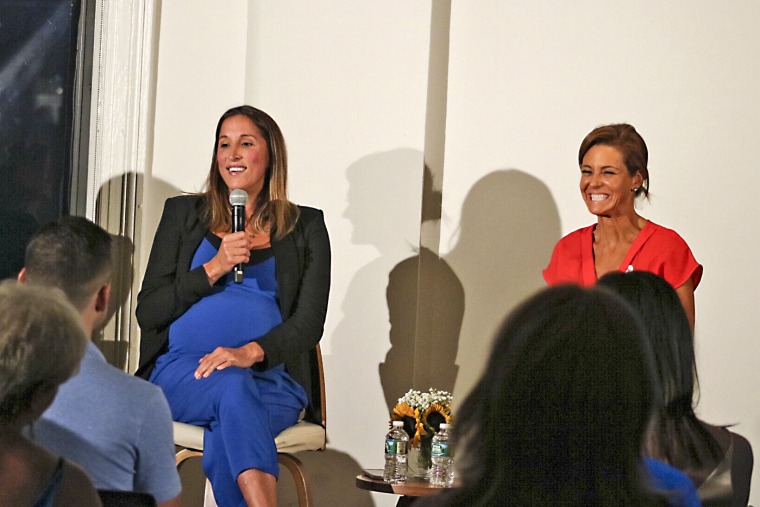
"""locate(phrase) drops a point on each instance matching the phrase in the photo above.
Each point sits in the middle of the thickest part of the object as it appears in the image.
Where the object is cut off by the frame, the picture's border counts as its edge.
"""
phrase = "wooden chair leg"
(295, 467)
(184, 454)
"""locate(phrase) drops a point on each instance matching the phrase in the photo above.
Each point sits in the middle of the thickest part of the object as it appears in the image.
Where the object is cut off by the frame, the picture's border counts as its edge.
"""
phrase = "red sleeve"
(673, 257)
(565, 264)
(680, 264)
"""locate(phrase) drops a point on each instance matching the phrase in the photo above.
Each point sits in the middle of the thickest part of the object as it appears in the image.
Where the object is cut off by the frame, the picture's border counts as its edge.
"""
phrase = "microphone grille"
(238, 197)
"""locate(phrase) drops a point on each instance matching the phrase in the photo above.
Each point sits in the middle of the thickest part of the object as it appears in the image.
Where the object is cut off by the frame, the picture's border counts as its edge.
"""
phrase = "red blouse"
(656, 249)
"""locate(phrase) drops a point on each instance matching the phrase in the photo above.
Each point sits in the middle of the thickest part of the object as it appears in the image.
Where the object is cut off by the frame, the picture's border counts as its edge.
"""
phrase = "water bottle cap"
(445, 426)
(398, 424)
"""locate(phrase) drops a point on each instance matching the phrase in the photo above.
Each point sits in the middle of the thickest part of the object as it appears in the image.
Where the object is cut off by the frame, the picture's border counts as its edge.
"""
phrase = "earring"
(634, 189)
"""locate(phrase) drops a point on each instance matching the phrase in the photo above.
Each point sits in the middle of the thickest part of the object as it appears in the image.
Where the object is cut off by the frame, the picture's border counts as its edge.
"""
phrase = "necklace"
(252, 233)
(257, 238)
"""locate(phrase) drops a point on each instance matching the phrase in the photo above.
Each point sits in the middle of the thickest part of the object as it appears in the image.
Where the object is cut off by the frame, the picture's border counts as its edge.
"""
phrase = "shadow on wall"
(123, 277)
(508, 227)
(384, 196)
(330, 476)
(425, 305)
(331, 480)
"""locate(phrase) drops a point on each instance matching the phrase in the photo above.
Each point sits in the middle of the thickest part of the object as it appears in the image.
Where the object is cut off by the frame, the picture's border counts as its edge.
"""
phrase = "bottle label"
(441, 450)
(394, 447)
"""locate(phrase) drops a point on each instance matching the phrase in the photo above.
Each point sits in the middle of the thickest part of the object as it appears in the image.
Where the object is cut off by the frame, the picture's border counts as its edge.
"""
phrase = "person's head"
(629, 145)
(72, 254)
(667, 330)
(675, 435)
(559, 414)
(41, 343)
(249, 153)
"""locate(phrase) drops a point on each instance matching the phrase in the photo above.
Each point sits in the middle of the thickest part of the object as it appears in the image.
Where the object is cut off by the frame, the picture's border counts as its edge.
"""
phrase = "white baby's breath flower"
(423, 400)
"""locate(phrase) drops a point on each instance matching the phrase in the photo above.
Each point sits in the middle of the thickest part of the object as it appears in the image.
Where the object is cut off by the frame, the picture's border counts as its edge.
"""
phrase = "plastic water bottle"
(442, 471)
(396, 449)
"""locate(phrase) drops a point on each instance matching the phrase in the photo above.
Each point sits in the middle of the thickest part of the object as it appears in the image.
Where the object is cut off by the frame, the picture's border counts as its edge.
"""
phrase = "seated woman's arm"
(302, 330)
(168, 291)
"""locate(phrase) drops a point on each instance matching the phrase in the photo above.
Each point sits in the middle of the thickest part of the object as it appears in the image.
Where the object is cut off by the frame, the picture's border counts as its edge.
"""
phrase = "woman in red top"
(613, 163)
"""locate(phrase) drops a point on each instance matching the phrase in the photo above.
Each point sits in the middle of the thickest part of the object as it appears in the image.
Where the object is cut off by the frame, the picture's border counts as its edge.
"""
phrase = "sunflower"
(412, 424)
(435, 415)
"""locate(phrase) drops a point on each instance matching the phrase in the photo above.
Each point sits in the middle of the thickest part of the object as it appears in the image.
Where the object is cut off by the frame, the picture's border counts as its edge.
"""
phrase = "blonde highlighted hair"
(41, 343)
(272, 209)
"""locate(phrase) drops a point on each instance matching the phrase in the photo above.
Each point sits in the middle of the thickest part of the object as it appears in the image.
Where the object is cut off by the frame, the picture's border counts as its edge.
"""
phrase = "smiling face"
(606, 185)
(242, 155)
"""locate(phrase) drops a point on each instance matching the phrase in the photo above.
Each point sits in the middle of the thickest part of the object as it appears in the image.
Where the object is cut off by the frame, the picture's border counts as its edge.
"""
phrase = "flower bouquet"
(422, 414)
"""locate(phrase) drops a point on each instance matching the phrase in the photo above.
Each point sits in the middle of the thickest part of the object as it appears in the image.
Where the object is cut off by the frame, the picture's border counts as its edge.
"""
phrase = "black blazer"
(302, 266)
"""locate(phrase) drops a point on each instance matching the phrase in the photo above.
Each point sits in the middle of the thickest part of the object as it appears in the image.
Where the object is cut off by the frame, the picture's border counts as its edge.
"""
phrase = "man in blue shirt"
(117, 427)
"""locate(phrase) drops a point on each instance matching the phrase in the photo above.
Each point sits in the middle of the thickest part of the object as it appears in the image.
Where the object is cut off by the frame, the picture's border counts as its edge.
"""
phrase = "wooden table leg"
(405, 501)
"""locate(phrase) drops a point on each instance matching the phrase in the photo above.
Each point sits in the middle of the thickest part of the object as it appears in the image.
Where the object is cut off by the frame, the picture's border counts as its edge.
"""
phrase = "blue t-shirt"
(115, 426)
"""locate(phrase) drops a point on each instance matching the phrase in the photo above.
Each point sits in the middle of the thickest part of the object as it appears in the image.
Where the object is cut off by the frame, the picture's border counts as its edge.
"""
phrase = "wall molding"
(121, 137)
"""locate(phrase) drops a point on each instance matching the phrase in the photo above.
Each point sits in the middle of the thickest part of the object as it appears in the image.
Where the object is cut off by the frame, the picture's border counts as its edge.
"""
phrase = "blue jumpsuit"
(242, 410)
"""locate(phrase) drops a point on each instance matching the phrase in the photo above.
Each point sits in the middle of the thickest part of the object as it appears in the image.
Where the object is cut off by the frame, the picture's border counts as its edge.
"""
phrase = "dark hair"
(272, 208)
(624, 138)
(676, 436)
(72, 254)
(559, 414)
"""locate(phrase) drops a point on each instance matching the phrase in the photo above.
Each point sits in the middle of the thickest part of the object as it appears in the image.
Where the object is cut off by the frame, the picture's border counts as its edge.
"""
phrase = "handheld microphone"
(238, 198)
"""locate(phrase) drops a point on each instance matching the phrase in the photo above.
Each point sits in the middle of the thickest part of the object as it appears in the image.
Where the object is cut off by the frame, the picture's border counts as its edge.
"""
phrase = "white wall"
(347, 82)
(528, 80)
(201, 73)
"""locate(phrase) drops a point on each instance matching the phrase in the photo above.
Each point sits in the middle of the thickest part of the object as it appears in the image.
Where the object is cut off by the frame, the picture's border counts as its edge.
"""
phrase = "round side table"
(371, 480)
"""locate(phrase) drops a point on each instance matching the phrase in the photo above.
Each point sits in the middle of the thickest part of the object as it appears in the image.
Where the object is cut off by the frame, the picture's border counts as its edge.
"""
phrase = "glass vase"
(419, 460)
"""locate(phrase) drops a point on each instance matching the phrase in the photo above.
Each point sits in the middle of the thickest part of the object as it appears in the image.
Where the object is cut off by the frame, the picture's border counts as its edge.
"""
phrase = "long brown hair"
(675, 435)
(560, 412)
(272, 209)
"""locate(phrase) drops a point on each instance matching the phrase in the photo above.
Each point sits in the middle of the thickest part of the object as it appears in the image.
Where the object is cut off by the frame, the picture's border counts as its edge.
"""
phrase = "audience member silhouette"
(41, 344)
(559, 415)
(116, 426)
(718, 461)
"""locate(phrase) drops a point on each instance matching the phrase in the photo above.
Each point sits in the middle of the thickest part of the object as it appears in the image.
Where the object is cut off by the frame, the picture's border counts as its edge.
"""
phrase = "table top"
(412, 487)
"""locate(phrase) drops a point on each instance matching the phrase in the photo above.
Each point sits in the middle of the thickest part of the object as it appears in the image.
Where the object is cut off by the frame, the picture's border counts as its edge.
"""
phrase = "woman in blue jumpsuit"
(234, 357)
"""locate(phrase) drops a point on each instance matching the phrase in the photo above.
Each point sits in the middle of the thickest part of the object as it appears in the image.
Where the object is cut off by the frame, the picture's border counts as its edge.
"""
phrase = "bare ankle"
(259, 488)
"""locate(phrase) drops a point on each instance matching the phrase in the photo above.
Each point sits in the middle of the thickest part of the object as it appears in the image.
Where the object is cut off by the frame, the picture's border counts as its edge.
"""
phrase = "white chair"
(303, 436)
